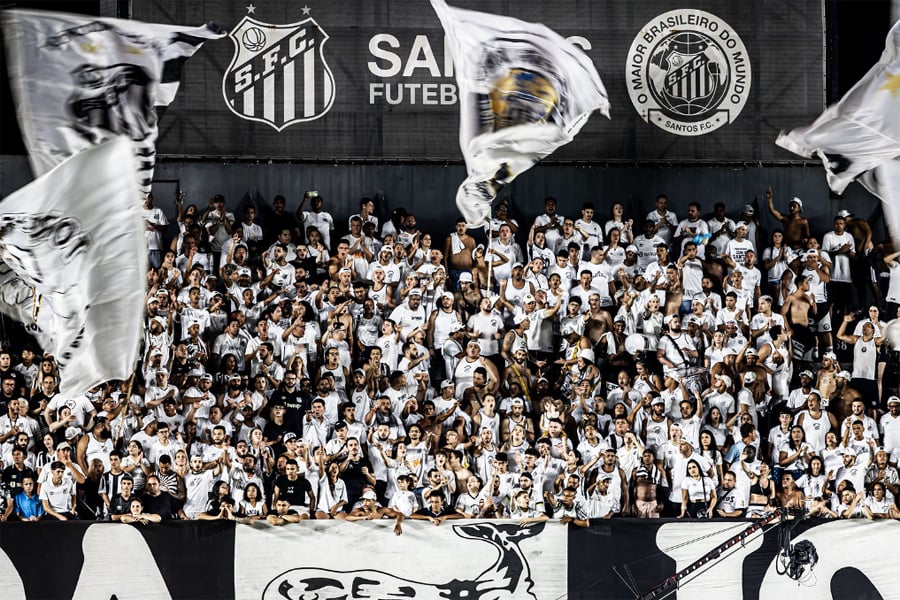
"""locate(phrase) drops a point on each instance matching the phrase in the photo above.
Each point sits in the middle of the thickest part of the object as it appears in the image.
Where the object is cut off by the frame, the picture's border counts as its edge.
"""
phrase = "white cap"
(749, 377)
(798, 201)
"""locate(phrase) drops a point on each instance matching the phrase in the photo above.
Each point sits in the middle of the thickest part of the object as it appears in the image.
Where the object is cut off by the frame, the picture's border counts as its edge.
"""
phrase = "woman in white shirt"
(698, 493)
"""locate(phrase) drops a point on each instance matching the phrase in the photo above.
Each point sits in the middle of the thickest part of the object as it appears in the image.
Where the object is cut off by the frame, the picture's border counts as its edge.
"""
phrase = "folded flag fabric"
(524, 92)
(860, 132)
(73, 264)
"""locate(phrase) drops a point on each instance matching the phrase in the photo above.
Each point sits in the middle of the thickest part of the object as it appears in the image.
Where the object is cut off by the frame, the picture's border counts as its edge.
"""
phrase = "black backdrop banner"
(370, 79)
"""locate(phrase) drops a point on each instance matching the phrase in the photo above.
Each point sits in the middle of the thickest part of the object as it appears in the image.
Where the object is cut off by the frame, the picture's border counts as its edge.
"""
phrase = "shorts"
(646, 510)
(822, 321)
(301, 509)
(803, 339)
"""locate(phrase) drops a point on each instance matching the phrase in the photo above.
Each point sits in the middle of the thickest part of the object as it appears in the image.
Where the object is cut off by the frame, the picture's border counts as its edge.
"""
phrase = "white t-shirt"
(58, 496)
(831, 242)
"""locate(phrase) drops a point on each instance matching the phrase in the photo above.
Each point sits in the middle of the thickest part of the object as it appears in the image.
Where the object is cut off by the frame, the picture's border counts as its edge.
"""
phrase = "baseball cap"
(244, 272)
(830, 355)
(162, 371)
(657, 400)
(206, 377)
(369, 495)
(62, 445)
(518, 265)
(844, 374)
(725, 378)
(290, 435)
(520, 318)
(808, 373)
(751, 352)
(520, 402)
(528, 298)
(631, 248)
(749, 377)
(234, 377)
(160, 320)
(893, 400)
(465, 276)
(156, 352)
(415, 292)
(447, 383)
(151, 300)
(740, 224)
(844, 213)
(195, 373)
(72, 433)
(749, 210)
(798, 201)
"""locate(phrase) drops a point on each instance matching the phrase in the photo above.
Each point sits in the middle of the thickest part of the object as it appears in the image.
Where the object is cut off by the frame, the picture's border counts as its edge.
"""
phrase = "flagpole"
(486, 252)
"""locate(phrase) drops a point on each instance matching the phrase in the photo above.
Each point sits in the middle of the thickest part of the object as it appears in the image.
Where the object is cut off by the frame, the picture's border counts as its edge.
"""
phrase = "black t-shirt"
(162, 505)
(271, 432)
(294, 408)
(120, 505)
(13, 477)
(355, 480)
(295, 492)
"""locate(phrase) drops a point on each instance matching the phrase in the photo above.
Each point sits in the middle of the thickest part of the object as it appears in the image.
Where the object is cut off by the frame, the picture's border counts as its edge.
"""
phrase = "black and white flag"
(524, 92)
(80, 80)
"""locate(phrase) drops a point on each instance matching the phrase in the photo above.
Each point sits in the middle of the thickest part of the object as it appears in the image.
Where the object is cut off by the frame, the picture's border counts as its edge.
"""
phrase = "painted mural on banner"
(854, 560)
(373, 79)
(688, 72)
(490, 559)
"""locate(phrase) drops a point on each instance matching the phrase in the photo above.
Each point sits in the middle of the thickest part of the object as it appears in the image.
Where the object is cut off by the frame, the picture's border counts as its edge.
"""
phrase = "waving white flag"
(862, 131)
(74, 264)
(80, 80)
(524, 92)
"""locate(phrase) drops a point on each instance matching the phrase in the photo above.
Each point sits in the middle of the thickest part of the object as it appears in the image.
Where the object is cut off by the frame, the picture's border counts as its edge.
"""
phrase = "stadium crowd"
(335, 367)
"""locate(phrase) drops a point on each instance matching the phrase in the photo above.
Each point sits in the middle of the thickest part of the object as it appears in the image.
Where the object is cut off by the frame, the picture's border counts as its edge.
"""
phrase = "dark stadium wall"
(428, 190)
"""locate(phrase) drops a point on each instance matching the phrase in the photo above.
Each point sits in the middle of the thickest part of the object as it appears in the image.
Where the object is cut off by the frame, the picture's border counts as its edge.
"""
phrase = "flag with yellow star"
(860, 133)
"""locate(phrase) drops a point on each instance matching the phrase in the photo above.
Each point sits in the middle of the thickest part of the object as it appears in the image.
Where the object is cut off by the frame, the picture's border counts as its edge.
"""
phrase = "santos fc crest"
(688, 72)
(278, 74)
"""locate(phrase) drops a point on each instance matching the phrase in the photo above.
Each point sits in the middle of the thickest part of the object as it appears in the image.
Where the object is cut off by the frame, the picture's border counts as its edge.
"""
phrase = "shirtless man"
(825, 377)
(796, 312)
(647, 495)
(369, 511)
(796, 227)
(458, 253)
(841, 400)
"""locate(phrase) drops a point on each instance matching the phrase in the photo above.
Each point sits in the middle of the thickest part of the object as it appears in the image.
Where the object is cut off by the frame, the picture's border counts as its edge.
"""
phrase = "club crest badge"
(278, 75)
(688, 72)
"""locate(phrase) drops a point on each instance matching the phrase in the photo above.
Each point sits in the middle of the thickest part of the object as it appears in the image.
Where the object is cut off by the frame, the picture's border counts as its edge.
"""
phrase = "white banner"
(79, 80)
(458, 559)
(524, 91)
(75, 264)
